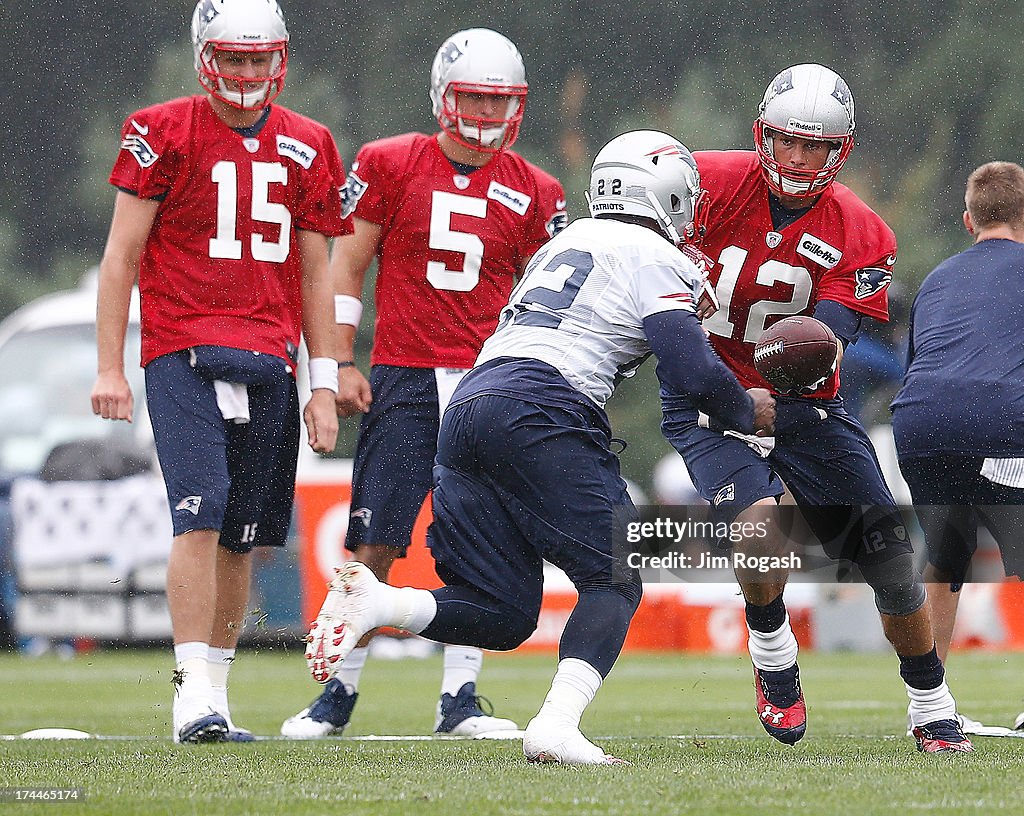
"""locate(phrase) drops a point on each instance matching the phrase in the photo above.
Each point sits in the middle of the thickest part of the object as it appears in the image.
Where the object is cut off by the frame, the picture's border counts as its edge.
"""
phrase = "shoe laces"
(781, 688)
(474, 701)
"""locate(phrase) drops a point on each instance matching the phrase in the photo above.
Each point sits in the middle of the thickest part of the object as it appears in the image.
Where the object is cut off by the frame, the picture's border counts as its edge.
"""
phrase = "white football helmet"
(649, 174)
(812, 102)
(478, 61)
(240, 25)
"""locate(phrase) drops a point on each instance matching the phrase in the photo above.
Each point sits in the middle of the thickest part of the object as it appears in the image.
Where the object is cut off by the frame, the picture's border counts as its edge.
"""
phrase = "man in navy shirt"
(959, 418)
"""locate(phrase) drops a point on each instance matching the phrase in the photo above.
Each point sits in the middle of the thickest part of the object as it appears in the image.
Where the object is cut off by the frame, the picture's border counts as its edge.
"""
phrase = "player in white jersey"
(525, 472)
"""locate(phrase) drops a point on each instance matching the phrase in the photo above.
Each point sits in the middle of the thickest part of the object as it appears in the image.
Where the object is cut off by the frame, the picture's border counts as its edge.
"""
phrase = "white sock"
(462, 665)
(219, 664)
(352, 668)
(773, 651)
(405, 608)
(573, 688)
(191, 659)
(929, 705)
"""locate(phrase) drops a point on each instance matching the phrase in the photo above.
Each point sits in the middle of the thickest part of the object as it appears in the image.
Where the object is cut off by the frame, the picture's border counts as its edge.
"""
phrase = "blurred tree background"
(936, 82)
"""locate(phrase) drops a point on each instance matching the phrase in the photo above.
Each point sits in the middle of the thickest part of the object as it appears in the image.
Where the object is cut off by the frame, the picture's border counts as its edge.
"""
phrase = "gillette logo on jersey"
(818, 251)
(294, 149)
(518, 202)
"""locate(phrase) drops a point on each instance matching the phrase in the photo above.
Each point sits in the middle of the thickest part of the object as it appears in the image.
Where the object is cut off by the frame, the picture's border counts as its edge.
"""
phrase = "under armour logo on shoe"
(770, 713)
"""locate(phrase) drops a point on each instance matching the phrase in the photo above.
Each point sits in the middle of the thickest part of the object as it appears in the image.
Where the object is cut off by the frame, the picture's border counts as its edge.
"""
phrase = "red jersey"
(451, 244)
(838, 250)
(221, 265)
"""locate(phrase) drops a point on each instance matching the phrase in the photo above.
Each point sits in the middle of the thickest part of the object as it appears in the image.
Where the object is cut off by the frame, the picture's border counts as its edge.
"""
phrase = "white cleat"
(547, 741)
(346, 615)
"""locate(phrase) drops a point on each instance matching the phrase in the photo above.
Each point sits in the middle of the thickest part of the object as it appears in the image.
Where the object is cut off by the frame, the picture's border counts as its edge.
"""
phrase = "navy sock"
(767, 618)
(597, 627)
(922, 671)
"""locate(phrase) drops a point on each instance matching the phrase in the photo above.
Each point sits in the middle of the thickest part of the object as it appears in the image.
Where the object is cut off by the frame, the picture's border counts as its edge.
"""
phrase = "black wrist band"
(345, 363)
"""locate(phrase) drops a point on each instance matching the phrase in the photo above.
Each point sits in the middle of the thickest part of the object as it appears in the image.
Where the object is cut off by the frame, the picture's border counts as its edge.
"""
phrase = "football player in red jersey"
(224, 210)
(452, 219)
(785, 238)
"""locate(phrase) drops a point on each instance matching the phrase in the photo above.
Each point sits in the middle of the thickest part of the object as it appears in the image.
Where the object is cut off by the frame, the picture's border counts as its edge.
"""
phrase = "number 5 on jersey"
(442, 236)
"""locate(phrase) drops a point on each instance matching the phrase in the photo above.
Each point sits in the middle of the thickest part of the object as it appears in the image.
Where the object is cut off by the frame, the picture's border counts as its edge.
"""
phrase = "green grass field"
(685, 722)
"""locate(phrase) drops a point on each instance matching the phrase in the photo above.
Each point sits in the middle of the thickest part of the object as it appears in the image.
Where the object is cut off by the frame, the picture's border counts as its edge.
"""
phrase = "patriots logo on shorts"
(190, 503)
(727, 493)
(871, 281)
(364, 514)
(145, 155)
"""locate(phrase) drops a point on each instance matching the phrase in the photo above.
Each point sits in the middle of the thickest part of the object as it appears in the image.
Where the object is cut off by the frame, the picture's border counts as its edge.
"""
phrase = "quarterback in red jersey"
(452, 219)
(785, 238)
(837, 250)
(224, 210)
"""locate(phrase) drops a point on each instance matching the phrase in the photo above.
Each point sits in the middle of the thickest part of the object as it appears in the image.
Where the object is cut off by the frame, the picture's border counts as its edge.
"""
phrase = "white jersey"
(581, 305)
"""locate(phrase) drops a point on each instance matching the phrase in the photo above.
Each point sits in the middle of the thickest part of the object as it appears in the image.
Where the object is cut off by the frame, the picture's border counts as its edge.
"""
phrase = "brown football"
(795, 353)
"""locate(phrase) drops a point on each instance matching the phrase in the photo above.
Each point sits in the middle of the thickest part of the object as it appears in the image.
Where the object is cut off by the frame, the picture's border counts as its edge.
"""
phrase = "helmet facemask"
(248, 93)
(487, 134)
(793, 181)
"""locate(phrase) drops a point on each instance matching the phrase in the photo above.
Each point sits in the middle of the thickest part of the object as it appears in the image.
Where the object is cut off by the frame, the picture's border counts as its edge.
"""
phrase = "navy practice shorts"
(235, 478)
(518, 483)
(825, 458)
(951, 498)
(391, 475)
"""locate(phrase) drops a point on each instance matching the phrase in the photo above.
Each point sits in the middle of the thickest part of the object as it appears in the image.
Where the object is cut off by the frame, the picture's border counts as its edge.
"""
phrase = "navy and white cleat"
(463, 716)
(207, 727)
(780, 703)
(942, 736)
(328, 714)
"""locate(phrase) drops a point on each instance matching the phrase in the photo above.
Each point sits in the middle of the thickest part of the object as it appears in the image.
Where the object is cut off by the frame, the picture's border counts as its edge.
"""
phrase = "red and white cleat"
(780, 703)
(348, 613)
(942, 736)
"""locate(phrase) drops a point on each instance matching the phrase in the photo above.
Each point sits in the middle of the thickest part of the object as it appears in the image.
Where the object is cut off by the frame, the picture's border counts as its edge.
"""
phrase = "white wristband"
(323, 373)
(347, 310)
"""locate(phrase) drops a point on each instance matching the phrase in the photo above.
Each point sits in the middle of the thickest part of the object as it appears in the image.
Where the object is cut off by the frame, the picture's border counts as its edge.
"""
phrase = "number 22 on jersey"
(723, 322)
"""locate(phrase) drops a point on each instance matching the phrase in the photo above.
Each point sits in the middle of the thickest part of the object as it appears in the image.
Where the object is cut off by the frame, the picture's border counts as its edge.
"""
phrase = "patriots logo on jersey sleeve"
(351, 193)
(145, 155)
(871, 281)
(556, 223)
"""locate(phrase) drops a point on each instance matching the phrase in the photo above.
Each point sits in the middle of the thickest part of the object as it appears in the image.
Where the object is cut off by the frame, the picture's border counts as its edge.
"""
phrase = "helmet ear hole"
(675, 201)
